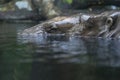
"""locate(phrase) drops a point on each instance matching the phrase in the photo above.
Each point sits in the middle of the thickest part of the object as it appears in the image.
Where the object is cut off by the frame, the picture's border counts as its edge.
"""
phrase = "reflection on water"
(56, 57)
(64, 49)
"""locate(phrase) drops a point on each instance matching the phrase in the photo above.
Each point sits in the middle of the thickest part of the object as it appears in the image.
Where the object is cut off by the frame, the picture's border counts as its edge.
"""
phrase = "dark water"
(56, 57)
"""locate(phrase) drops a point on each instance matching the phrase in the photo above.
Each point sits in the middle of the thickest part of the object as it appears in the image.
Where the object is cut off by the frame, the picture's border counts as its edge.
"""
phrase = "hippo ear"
(109, 21)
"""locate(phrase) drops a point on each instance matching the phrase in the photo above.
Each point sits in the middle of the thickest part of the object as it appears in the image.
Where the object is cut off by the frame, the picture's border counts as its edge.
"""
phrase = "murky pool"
(56, 57)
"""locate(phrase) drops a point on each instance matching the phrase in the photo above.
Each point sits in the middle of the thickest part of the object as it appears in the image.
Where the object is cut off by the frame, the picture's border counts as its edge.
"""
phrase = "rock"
(4, 1)
(7, 7)
(16, 15)
(82, 4)
(24, 8)
(17, 10)
(23, 5)
(46, 8)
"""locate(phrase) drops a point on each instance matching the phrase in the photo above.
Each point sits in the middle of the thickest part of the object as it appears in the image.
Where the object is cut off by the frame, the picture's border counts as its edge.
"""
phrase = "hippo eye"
(109, 21)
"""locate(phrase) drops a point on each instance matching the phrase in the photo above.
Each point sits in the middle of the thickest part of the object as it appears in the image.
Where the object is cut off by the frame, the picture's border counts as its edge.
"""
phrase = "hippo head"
(99, 25)
(61, 26)
(103, 25)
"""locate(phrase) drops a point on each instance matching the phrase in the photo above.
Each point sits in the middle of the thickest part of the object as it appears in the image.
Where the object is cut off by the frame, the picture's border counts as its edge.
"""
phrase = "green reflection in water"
(12, 54)
(12, 62)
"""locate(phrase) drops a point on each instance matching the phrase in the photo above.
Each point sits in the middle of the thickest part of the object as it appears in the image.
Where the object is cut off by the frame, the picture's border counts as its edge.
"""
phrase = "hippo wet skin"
(105, 25)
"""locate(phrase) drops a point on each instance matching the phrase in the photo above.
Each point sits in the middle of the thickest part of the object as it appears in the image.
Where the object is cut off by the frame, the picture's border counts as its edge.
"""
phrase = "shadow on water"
(56, 57)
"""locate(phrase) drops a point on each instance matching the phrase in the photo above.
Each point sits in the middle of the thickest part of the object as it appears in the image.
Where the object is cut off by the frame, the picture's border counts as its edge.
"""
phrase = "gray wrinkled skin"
(58, 25)
(104, 25)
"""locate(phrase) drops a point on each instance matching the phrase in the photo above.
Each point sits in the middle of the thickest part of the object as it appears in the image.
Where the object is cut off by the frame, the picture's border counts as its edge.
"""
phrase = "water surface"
(56, 57)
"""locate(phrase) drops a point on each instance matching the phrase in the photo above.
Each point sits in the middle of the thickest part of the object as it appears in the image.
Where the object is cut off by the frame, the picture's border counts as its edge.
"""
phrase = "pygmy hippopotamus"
(104, 25)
